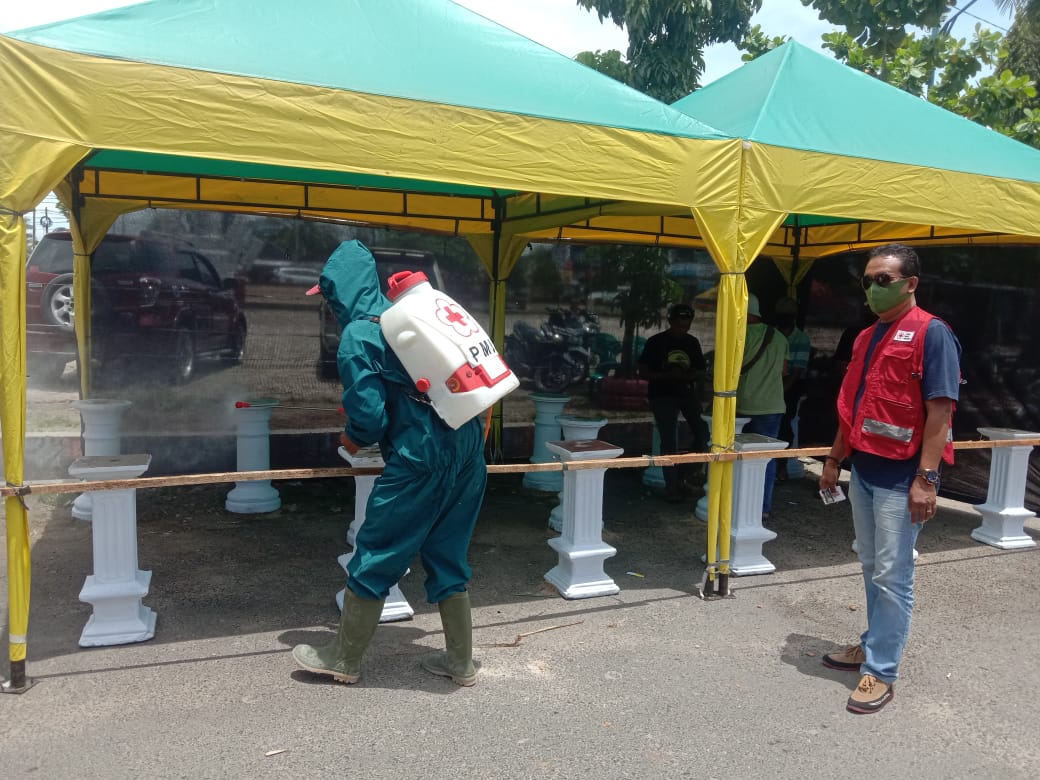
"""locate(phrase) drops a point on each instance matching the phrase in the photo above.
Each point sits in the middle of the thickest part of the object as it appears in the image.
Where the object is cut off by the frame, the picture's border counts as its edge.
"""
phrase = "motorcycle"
(554, 355)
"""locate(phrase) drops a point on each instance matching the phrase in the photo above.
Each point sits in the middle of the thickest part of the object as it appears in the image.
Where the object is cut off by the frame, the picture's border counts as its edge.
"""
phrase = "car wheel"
(56, 302)
(553, 376)
(183, 363)
(237, 344)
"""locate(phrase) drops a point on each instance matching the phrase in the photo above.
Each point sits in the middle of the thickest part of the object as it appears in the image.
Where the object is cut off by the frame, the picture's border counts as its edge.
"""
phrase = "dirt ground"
(214, 571)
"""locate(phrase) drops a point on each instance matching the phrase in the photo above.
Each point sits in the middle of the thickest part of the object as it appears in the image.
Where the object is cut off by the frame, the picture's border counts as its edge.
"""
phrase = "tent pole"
(497, 321)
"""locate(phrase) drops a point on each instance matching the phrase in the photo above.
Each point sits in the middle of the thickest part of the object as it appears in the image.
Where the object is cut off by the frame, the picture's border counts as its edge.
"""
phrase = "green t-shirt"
(761, 389)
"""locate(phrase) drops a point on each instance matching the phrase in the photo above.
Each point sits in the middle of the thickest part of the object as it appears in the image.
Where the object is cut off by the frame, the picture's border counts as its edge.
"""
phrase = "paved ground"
(650, 683)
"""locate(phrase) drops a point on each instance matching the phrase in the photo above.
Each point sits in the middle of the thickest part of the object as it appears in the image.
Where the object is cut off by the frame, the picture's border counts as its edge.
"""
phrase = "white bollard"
(396, 606)
(574, 428)
(547, 408)
(116, 587)
(579, 573)
(102, 428)
(747, 534)
(1003, 514)
(253, 430)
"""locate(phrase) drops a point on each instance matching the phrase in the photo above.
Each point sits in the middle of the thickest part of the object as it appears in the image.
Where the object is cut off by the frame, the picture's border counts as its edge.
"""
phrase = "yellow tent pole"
(12, 418)
(499, 254)
(734, 236)
(88, 225)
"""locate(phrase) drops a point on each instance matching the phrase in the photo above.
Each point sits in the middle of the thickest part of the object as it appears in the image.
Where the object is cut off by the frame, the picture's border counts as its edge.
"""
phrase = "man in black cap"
(673, 364)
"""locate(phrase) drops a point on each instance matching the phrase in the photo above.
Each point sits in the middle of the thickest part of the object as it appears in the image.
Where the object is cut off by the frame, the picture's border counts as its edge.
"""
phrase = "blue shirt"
(941, 379)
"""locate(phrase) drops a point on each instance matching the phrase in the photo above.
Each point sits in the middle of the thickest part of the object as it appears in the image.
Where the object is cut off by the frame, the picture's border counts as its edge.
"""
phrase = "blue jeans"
(766, 425)
(886, 538)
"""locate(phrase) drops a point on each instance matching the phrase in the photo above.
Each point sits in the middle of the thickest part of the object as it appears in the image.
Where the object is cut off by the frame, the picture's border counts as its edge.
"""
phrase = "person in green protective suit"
(425, 502)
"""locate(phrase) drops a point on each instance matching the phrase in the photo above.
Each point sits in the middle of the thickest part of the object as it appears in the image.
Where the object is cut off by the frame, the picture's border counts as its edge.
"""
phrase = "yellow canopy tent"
(418, 114)
(425, 116)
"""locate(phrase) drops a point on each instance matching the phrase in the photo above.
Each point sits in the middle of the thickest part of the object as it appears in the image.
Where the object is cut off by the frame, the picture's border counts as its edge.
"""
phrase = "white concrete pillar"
(747, 534)
(579, 573)
(701, 510)
(574, 428)
(396, 606)
(1003, 514)
(116, 587)
(547, 407)
(102, 428)
(253, 430)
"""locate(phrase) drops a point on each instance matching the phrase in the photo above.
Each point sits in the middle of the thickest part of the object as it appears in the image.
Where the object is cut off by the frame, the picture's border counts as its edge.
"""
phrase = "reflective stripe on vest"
(888, 430)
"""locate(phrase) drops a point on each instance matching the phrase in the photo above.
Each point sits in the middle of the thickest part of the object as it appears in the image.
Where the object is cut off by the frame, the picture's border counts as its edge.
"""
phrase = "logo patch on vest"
(904, 335)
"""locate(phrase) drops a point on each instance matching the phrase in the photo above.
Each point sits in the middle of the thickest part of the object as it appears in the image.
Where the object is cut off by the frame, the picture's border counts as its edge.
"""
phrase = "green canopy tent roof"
(850, 161)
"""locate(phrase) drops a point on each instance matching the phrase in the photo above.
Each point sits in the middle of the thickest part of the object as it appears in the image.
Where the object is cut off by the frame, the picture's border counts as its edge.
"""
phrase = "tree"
(880, 27)
(1023, 47)
(666, 40)
(649, 290)
(544, 275)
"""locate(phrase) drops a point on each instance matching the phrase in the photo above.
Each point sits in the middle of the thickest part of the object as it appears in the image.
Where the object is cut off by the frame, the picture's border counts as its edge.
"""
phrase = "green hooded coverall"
(427, 499)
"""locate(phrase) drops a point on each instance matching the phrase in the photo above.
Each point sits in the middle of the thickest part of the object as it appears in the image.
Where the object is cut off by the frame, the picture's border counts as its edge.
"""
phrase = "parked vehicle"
(295, 274)
(153, 298)
(388, 262)
(556, 355)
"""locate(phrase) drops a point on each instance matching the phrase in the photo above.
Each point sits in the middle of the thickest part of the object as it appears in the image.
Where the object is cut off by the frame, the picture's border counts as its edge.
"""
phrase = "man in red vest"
(895, 410)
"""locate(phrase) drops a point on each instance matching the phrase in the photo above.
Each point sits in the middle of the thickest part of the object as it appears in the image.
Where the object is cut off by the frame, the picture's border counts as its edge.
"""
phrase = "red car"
(152, 298)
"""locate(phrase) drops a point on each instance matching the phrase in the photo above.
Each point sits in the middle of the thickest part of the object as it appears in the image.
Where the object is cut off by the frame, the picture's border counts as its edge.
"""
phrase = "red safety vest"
(890, 418)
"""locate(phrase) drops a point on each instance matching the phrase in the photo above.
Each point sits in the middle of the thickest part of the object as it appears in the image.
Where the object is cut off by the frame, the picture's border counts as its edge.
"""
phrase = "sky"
(558, 24)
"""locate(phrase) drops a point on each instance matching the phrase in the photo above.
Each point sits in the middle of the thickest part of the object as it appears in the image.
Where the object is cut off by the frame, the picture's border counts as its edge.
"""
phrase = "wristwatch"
(931, 476)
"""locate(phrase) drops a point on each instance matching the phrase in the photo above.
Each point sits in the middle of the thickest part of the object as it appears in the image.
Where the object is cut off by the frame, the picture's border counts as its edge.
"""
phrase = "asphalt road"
(651, 683)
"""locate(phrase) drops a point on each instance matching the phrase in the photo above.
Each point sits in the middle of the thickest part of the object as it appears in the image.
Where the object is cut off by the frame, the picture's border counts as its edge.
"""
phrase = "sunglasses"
(881, 280)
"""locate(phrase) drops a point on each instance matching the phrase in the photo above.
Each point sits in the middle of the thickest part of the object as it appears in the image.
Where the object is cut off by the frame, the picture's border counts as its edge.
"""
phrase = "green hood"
(350, 284)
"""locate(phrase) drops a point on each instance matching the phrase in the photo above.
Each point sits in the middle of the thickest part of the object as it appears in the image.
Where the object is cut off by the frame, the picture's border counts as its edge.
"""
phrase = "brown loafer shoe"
(870, 695)
(848, 660)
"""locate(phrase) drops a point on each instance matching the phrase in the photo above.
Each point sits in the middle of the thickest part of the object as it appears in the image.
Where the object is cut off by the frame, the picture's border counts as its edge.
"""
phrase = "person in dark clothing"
(673, 364)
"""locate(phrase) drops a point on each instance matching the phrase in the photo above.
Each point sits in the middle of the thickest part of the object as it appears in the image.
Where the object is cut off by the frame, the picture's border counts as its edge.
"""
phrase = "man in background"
(673, 365)
(760, 391)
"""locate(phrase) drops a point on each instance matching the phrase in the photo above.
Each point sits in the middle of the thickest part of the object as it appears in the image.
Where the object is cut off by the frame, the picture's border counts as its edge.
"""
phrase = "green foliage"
(544, 275)
(945, 70)
(609, 63)
(1022, 47)
(756, 43)
(879, 26)
(666, 39)
(642, 273)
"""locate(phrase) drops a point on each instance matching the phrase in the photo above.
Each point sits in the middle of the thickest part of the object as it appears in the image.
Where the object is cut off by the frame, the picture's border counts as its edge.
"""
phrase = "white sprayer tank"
(445, 351)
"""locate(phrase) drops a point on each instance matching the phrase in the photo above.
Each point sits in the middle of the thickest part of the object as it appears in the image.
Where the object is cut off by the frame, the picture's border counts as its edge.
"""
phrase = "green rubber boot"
(341, 658)
(457, 662)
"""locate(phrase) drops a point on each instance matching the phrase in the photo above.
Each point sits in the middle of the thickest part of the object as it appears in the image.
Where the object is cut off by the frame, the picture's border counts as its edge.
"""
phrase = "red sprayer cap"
(403, 281)
(422, 384)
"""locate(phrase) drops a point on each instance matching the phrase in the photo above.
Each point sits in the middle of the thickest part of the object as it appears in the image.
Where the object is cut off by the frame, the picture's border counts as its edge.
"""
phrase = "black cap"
(680, 311)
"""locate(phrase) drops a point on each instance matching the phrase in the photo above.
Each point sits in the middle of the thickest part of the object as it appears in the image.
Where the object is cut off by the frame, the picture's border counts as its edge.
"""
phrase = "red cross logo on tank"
(449, 313)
